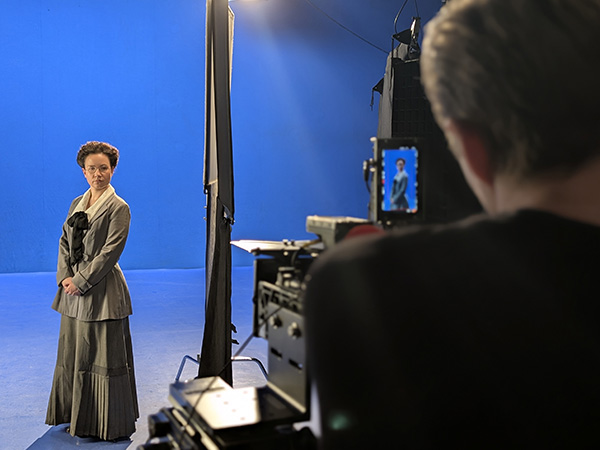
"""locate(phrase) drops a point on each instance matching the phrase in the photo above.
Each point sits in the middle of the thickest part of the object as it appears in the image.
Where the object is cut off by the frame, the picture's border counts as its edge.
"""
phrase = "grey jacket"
(104, 291)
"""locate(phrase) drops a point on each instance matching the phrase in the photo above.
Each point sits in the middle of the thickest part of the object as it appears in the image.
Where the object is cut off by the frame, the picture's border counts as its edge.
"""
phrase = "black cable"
(301, 249)
(396, 23)
(398, 15)
(367, 165)
(344, 27)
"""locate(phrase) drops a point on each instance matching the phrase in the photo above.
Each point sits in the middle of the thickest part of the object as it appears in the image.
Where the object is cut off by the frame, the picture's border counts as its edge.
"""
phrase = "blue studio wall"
(131, 72)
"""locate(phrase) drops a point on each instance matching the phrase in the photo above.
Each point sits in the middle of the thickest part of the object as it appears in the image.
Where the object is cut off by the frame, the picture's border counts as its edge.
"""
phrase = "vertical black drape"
(215, 357)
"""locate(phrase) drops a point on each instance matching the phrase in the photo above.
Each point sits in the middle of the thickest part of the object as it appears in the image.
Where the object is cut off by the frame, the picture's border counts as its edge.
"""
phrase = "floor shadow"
(56, 438)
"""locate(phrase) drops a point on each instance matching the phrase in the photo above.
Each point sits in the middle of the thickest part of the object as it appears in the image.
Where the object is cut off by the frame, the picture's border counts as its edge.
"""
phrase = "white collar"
(93, 210)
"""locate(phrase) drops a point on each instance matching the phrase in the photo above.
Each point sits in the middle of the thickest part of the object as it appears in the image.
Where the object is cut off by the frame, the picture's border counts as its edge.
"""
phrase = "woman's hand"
(69, 287)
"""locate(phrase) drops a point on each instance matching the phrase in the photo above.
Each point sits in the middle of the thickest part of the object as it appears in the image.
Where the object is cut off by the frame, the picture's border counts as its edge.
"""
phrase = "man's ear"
(469, 146)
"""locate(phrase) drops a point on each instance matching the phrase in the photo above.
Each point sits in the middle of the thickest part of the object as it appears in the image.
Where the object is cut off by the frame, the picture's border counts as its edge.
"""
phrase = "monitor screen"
(399, 180)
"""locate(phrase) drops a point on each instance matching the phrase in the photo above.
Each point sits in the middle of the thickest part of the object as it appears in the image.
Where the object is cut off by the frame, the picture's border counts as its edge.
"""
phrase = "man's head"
(523, 76)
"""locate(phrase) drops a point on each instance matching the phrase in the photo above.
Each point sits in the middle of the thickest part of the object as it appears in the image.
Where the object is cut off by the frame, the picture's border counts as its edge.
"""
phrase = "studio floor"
(166, 325)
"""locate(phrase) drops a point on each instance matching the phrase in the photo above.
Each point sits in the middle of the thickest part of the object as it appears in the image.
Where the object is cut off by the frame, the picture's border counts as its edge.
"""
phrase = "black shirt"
(481, 334)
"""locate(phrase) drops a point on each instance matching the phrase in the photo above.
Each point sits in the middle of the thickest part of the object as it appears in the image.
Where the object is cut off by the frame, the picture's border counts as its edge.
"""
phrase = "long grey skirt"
(94, 380)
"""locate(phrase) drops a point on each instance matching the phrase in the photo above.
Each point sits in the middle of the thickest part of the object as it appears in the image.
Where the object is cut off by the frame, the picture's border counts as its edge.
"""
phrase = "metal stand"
(233, 359)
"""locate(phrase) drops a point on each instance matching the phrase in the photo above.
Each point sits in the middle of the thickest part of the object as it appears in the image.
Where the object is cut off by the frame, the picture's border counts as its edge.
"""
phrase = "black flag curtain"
(215, 356)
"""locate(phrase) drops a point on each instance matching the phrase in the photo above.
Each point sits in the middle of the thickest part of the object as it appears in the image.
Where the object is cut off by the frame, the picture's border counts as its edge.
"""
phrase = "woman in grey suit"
(398, 200)
(94, 382)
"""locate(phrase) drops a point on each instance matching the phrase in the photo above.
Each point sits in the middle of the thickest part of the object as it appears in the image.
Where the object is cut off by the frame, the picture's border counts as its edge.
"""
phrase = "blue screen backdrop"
(131, 72)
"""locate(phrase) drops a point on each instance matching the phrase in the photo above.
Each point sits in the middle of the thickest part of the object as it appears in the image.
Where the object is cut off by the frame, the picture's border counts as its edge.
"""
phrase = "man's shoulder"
(410, 237)
(471, 241)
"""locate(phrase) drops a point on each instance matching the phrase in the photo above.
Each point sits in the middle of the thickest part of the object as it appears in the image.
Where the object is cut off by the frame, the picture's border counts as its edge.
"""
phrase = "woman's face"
(97, 171)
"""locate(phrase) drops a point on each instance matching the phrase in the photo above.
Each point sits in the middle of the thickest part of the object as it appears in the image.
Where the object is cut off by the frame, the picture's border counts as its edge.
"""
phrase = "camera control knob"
(294, 330)
(275, 321)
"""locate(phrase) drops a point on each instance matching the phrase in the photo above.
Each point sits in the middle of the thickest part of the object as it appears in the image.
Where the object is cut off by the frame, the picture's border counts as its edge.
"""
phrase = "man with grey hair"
(483, 333)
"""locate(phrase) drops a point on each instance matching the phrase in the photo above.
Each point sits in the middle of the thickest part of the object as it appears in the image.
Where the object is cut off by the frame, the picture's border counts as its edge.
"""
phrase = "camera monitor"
(395, 194)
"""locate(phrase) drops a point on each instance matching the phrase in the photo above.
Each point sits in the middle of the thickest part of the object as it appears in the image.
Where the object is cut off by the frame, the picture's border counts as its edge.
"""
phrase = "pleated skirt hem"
(94, 383)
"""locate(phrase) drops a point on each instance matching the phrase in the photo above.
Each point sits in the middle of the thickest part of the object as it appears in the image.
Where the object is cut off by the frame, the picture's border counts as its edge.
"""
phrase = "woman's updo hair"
(95, 147)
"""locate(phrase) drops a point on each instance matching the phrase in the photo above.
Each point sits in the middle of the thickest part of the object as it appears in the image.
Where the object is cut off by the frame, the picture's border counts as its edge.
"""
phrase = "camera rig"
(208, 413)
